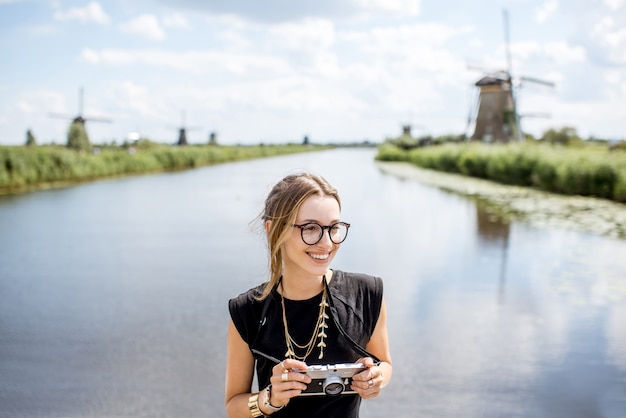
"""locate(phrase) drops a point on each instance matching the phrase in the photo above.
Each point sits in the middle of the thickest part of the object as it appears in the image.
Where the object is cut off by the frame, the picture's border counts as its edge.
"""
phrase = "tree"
(77, 137)
(30, 139)
(565, 136)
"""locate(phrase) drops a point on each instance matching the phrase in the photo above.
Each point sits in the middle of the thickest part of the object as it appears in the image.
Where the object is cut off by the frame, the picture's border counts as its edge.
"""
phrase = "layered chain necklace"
(319, 331)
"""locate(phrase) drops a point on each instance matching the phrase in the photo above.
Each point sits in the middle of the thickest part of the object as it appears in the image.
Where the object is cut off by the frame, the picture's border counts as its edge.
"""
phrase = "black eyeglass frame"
(323, 227)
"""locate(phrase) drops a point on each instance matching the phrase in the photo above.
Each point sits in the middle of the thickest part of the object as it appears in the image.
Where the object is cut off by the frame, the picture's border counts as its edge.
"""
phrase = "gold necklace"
(318, 331)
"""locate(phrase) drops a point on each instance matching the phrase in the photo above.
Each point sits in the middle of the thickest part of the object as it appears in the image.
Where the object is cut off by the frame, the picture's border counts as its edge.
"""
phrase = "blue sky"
(277, 70)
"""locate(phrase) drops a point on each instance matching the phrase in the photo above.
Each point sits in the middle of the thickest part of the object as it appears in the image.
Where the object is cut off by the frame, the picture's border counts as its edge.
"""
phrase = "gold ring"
(284, 377)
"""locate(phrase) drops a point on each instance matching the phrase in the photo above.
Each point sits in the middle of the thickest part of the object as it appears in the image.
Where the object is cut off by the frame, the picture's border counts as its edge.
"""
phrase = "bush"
(619, 146)
(22, 168)
(565, 136)
(587, 170)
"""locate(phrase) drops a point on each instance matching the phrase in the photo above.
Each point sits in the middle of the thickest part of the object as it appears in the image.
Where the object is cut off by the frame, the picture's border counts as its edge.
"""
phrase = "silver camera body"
(331, 379)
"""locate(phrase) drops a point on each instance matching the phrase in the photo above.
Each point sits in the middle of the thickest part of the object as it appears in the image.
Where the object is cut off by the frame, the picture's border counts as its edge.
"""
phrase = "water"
(113, 296)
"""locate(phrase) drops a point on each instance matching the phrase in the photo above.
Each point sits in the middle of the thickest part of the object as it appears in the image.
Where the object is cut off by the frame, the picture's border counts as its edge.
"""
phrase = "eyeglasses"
(312, 232)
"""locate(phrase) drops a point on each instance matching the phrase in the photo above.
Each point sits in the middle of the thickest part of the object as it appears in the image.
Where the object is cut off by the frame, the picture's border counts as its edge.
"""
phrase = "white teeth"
(319, 256)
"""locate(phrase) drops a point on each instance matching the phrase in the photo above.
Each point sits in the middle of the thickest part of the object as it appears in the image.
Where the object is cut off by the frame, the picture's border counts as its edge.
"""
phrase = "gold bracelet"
(253, 406)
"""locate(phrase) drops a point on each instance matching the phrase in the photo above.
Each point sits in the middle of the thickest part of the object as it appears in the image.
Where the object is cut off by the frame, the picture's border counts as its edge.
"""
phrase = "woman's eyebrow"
(305, 221)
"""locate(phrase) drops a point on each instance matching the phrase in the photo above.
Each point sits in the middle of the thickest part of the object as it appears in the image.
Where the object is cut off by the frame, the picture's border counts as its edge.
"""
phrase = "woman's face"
(311, 260)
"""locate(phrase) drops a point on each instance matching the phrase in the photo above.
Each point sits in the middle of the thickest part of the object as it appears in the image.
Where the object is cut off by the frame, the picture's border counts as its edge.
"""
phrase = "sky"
(279, 70)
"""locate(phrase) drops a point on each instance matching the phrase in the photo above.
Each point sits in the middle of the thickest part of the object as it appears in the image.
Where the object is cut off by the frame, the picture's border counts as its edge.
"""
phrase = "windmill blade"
(81, 97)
(537, 81)
(61, 116)
(80, 118)
(507, 41)
(473, 108)
(97, 119)
(536, 115)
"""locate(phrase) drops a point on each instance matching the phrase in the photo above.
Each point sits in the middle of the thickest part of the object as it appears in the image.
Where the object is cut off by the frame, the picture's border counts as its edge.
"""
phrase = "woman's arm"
(239, 374)
(369, 383)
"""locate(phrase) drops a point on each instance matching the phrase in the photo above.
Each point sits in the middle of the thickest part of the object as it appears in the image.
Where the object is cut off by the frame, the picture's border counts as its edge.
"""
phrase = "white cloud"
(176, 20)
(563, 53)
(615, 4)
(307, 34)
(198, 62)
(147, 26)
(611, 36)
(547, 10)
(92, 12)
(128, 95)
(405, 7)
(408, 47)
(560, 52)
(390, 38)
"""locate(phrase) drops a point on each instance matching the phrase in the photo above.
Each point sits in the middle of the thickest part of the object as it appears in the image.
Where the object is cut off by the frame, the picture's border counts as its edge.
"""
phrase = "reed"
(27, 168)
(588, 171)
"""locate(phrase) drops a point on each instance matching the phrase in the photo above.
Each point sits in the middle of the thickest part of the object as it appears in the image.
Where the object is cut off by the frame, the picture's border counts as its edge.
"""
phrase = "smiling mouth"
(319, 256)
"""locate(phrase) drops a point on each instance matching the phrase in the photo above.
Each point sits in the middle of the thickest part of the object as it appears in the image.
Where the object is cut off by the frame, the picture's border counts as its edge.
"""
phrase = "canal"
(113, 296)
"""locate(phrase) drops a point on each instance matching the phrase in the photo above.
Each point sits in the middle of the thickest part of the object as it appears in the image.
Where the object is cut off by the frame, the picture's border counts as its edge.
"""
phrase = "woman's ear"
(268, 227)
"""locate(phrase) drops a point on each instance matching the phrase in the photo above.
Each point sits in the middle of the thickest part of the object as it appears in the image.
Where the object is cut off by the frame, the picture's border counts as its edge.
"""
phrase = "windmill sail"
(79, 118)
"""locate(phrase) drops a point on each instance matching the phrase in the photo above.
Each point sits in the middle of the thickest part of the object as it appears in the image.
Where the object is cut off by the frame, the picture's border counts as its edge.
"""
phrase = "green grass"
(588, 170)
(28, 168)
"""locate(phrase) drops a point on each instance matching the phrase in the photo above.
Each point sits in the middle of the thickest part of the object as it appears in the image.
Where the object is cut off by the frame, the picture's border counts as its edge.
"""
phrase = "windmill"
(80, 118)
(495, 113)
(182, 131)
(78, 122)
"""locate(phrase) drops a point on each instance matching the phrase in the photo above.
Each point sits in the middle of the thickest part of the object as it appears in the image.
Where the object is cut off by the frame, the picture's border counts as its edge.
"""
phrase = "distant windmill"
(496, 114)
(80, 118)
(182, 131)
(78, 123)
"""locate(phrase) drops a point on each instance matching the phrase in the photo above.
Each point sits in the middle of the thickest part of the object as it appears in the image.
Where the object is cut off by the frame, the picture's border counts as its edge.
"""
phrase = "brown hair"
(281, 208)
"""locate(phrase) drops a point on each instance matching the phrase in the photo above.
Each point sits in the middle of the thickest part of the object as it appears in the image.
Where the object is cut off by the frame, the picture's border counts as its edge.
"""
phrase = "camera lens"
(333, 385)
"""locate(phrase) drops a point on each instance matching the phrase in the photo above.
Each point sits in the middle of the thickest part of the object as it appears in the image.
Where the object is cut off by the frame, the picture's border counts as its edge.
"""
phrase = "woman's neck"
(299, 288)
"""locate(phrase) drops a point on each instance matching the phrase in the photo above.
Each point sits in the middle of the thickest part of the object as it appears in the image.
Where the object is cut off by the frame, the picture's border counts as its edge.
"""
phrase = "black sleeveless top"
(358, 299)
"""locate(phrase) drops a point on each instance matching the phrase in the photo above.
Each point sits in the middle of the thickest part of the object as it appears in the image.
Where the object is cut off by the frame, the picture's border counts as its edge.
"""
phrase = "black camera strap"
(333, 313)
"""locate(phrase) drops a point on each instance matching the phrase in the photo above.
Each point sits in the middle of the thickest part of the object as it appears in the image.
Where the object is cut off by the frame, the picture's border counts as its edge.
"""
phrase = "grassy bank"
(586, 171)
(28, 168)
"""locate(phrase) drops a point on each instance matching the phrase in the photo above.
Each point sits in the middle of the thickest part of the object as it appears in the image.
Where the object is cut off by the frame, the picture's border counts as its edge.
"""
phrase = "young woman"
(306, 314)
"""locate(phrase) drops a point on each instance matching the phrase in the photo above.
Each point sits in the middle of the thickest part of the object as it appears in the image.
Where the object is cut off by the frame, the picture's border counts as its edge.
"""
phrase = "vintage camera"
(330, 379)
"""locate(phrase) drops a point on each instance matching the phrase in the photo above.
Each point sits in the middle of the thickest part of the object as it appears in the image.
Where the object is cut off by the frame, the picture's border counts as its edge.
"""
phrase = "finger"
(366, 361)
(367, 390)
(282, 392)
(291, 364)
(287, 376)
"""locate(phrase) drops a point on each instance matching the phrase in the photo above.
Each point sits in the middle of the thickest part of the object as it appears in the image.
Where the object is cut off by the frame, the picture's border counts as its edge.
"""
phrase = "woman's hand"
(369, 382)
(287, 381)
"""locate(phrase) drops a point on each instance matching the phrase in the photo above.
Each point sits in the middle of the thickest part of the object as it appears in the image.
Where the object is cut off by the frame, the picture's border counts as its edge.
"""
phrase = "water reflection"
(494, 231)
